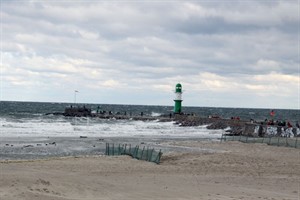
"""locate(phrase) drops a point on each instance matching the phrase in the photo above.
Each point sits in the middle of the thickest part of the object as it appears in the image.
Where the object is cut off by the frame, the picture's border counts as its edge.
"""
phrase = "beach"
(208, 170)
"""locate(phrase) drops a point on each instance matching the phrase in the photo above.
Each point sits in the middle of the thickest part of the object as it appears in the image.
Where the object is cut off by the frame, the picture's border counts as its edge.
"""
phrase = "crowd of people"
(281, 123)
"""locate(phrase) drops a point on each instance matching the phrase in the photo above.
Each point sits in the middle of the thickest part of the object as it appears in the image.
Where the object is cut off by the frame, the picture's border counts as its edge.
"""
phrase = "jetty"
(240, 127)
(82, 111)
(233, 126)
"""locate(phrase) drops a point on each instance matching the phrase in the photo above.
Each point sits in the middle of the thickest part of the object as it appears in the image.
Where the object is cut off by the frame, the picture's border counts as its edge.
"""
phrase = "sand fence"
(137, 152)
(269, 139)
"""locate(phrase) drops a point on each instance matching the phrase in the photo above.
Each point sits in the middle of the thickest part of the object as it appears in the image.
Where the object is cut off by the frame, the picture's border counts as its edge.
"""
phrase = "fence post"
(150, 157)
(296, 141)
(137, 151)
(133, 151)
(278, 141)
(113, 150)
(221, 138)
(106, 152)
(147, 153)
(142, 153)
(158, 157)
(270, 140)
(160, 153)
(240, 137)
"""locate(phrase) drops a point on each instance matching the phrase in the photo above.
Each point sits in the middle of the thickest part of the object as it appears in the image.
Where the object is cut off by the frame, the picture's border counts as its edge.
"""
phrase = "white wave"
(94, 127)
(155, 114)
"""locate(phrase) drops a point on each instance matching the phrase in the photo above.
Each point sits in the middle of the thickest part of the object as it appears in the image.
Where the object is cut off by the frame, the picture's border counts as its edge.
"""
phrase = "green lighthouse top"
(178, 87)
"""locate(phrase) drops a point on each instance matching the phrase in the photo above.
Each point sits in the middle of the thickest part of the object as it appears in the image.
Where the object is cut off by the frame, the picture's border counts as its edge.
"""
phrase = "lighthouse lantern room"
(178, 100)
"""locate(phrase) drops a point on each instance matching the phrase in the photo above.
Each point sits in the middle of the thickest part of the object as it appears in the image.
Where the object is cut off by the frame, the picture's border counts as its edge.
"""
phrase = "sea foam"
(95, 127)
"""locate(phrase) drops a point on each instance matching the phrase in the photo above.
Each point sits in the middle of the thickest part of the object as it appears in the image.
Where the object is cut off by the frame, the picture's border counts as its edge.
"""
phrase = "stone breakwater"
(238, 127)
(233, 126)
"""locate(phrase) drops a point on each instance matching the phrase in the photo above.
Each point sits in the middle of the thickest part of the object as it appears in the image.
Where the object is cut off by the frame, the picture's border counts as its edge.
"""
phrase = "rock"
(28, 146)
(217, 125)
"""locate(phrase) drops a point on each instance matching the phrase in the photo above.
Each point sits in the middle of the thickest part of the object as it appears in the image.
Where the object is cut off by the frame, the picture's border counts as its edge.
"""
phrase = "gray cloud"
(115, 45)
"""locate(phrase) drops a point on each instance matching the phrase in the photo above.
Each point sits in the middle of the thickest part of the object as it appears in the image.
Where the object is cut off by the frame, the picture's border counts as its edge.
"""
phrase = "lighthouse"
(178, 100)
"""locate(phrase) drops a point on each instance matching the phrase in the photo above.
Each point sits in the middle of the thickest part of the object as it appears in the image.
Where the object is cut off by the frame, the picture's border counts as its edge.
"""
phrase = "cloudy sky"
(224, 53)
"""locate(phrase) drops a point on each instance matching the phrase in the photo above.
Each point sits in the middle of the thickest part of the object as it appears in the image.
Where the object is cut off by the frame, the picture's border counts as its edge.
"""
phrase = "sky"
(224, 53)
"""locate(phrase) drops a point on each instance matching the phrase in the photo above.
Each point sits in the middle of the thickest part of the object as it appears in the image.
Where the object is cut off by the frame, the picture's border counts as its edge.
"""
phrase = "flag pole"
(75, 91)
(75, 96)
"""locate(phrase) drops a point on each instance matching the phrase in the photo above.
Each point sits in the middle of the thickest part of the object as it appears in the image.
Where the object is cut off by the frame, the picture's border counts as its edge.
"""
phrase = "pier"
(234, 126)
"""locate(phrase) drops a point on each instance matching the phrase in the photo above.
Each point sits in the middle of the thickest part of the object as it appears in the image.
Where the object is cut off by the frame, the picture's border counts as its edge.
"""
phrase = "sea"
(32, 119)
(29, 131)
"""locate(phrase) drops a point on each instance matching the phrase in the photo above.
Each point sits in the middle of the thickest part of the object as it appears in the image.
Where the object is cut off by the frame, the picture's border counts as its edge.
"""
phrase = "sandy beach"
(228, 170)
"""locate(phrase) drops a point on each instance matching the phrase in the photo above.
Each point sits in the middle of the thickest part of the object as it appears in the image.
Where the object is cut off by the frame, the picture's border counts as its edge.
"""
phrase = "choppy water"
(22, 119)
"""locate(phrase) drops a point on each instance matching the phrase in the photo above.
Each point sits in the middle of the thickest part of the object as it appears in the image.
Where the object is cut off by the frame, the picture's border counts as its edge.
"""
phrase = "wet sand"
(209, 170)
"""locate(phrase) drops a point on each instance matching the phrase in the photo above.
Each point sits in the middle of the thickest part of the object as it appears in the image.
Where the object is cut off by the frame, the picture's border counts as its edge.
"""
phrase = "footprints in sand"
(43, 186)
(43, 182)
